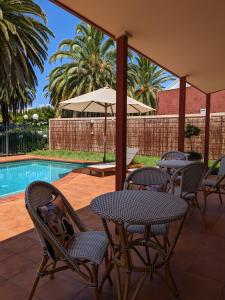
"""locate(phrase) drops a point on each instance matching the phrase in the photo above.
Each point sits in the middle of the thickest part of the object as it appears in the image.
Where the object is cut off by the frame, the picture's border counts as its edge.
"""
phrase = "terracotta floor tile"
(209, 267)
(33, 253)
(10, 291)
(198, 262)
(213, 246)
(59, 289)
(17, 244)
(13, 265)
(181, 262)
(190, 244)
(4, 254)
(87, 294)
(193, 287)
(25, 278)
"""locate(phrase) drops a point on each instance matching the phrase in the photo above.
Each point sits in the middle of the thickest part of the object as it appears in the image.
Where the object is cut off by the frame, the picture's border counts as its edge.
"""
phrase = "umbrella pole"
(105, 132)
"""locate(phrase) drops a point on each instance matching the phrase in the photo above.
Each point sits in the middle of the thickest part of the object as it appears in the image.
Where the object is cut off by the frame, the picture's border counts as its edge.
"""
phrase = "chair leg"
(220, 196)
(166, 242)
(38, 276)
(170, 281)
(198, 207)
(205, 201)
(118, 283)
(127, 286)
(106, 266)
(53, 268)
(96, 291)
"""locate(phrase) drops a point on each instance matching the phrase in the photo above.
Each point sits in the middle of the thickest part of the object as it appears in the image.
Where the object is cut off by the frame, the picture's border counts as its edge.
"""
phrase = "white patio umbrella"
(102, 101)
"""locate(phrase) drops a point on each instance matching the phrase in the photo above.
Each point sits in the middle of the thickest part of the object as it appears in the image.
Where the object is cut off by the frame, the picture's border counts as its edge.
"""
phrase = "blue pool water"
(16, 176)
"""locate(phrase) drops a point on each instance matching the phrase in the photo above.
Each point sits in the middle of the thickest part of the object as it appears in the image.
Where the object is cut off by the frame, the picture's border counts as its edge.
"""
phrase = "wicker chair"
(191, 178)
(173, 155)
(145, 178)
(214, 185)
(85, 251)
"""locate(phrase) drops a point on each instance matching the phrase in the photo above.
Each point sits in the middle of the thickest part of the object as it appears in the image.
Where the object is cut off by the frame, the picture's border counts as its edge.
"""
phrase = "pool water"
(16, 176)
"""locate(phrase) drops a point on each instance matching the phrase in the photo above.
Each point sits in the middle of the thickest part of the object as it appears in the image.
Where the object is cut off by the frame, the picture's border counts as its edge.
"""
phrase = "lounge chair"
(110, 167)
(64, 238)
(214, 183)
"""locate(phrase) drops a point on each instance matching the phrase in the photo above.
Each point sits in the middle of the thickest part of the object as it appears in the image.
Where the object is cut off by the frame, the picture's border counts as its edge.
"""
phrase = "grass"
(93, 156)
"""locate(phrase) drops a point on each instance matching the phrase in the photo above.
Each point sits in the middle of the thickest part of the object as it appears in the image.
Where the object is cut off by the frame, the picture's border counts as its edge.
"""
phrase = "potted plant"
(190, 131)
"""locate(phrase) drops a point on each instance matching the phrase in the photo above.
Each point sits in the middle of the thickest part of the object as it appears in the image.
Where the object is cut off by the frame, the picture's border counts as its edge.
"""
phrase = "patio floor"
(198, 262)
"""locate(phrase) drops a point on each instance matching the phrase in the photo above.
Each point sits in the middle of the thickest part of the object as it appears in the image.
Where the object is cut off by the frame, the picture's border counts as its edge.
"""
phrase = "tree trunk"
(5, 113)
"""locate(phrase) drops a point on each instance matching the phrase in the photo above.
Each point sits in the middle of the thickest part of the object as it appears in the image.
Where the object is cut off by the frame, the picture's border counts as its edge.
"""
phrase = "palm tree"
(16, 99)
(147, 80)
(89, 65)
(23, 45)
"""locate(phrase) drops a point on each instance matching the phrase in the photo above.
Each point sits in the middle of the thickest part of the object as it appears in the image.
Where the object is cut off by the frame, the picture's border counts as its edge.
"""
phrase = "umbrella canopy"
(102, 101)
(98, 100)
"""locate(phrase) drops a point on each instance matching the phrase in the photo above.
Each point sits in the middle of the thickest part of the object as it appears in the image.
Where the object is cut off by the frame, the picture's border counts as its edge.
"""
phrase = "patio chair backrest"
(131, 153)
(191, 177)
(149, 176)
(173, 155)
(40, 193)
(221, 171)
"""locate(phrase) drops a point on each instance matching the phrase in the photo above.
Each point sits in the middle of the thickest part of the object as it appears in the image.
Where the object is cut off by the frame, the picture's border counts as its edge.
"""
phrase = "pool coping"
(27, 157)
(40, 157)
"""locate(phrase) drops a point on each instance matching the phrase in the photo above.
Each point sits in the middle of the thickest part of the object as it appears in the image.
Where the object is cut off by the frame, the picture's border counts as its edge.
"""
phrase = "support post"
(207, 127)
(121, 110)
(182, 100)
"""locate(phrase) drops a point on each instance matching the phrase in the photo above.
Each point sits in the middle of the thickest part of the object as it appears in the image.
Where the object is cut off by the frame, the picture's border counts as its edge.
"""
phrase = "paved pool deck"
(198, 262)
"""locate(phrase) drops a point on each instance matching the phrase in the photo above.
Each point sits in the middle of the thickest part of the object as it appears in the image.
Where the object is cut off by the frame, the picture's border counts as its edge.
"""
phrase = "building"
(168, 100)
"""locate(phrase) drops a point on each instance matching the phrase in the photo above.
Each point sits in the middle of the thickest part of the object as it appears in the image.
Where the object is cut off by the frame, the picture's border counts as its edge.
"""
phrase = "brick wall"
(168, 101)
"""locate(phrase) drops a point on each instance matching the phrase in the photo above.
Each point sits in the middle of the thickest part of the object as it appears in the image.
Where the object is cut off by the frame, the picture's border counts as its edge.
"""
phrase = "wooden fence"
(153, 135)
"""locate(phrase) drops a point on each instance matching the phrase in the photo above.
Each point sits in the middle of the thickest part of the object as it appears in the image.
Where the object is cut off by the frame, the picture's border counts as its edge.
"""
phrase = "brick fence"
(153, 135)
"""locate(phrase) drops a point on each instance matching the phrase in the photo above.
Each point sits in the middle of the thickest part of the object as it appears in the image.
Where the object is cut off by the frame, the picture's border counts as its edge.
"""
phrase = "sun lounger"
(110, 167)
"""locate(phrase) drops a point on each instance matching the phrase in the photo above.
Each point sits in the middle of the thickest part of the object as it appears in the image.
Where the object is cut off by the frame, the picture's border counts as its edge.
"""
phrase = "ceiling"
(184, 37)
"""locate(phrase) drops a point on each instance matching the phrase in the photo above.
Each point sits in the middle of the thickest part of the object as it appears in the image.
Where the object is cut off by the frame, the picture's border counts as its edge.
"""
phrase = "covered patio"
(194, 53)
(198, 262)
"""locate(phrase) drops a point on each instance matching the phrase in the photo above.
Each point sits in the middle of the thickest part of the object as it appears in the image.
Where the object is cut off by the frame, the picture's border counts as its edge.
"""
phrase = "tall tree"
(89, 64)
(23, 44)
(147, 80)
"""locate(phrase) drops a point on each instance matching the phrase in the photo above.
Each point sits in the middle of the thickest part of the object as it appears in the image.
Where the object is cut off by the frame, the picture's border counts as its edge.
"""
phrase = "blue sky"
(63, 25)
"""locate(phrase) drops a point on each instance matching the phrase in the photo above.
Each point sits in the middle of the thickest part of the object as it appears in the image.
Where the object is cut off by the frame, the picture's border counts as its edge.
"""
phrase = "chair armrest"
(219, 181)
(173, 180)
(211, 168)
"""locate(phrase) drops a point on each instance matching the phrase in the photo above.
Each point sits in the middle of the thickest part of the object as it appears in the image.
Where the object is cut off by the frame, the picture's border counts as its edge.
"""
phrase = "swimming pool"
(16, 176)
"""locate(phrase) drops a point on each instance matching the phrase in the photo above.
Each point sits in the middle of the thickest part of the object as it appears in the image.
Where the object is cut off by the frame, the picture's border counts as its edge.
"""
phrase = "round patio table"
(174, 163)
(143, 208)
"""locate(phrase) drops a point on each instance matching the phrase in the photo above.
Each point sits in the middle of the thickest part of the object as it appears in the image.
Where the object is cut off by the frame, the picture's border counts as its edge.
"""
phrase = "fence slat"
(152, 135)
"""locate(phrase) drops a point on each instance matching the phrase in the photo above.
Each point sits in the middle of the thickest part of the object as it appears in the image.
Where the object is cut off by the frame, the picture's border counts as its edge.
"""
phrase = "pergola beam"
(121, 109)
(182, 102)
(207, 128)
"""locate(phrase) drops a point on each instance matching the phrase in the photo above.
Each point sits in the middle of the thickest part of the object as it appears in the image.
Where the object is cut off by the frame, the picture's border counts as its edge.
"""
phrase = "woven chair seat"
(158, 229)
(185, 196)
(91, 245)
(208, 182)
